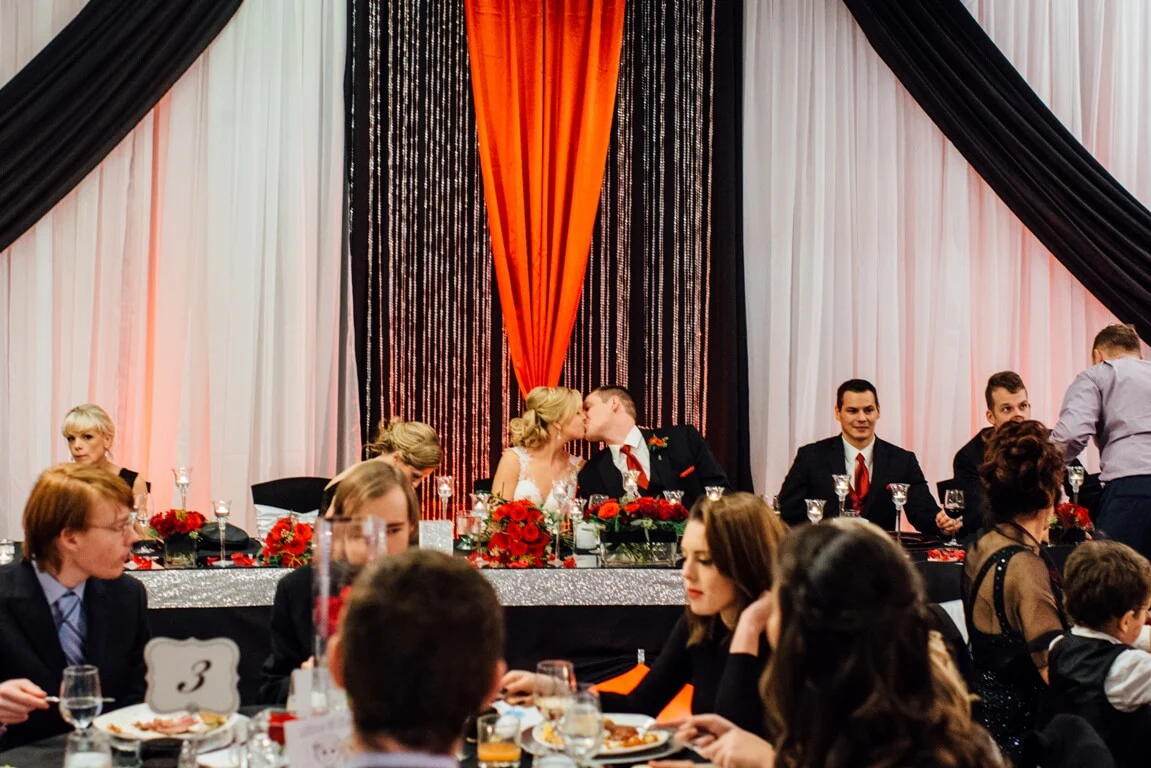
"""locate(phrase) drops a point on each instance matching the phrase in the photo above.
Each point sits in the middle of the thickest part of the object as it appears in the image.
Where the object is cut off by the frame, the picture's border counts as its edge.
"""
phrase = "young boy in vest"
(1101, 668)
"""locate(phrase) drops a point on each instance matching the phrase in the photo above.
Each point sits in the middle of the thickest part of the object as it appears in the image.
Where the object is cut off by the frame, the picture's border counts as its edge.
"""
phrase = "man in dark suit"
(69, 601)
(871, 463)
(668, 459)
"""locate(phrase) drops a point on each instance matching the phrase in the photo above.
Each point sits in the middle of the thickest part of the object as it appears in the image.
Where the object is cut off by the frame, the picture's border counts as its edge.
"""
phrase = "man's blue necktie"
(67, 610)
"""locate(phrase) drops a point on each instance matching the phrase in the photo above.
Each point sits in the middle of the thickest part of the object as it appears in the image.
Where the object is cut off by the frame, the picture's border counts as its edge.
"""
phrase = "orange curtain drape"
(544, 78)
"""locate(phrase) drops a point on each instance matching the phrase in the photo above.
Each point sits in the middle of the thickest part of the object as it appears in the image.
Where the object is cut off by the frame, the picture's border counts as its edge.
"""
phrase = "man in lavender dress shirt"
(1111, 401)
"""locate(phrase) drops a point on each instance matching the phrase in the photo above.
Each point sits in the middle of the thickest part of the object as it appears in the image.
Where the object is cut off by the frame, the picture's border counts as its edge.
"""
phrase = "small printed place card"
(320, 741)
(190, 675)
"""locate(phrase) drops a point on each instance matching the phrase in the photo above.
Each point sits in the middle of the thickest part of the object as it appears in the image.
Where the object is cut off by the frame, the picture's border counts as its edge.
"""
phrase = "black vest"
(1078, 667)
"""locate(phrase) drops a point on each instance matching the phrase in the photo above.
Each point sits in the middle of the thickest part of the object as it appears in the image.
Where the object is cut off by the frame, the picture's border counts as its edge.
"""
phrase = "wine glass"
(80, 698)
(953, 502)
(1076, 474)
(899, 497)
(631, 483)
(183, 477)
(555, 685)
(142, 506)
(714, 492)
(562, 490)
(444, 491)
(842, 488)
(87, 749)
(814, 509)
(222, 509)
(581, 726)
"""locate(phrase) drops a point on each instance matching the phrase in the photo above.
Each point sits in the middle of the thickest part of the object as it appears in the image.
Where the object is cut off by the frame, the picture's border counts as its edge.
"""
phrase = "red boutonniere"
(656, 445)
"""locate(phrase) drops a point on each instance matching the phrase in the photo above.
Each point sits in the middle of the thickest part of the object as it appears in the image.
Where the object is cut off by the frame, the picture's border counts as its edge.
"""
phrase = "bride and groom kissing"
(673, 458)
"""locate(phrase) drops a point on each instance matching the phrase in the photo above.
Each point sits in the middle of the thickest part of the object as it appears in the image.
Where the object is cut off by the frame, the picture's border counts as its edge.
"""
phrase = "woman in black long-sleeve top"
(371, 489)
(728, 548)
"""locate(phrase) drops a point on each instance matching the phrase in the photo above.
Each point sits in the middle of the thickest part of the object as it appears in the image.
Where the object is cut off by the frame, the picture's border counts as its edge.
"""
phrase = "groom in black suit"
(871, 463)
(669, 459)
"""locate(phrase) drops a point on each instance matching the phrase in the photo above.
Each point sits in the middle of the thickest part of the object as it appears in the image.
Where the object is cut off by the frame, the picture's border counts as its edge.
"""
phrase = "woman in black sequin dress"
(1012, 595)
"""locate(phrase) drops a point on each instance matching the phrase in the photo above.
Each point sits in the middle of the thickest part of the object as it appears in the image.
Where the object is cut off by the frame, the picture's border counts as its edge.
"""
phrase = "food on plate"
(115, 729)
(616, 737)
(180, 725)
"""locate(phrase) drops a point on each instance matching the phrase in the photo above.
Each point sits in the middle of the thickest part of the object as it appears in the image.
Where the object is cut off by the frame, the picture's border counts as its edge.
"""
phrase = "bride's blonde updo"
(546, 405)
(414, 442)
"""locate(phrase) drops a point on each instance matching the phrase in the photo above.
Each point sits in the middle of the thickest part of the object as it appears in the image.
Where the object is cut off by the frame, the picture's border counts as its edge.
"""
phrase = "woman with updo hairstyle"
(857, 677)
(370, 489)
(538, 456)
(1012, 595)
(89, 431)
(411, 446)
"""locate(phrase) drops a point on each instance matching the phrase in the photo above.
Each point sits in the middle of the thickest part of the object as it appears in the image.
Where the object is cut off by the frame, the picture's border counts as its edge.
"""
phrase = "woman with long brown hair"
(728, 549)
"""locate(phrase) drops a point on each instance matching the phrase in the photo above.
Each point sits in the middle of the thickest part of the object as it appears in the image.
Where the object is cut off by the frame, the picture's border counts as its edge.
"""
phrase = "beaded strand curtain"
(429, 331)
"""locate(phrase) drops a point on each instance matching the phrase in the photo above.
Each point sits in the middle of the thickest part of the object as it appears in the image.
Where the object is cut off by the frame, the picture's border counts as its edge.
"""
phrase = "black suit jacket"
(815, 463)
(293, 633)
(686, 464)
(117, 620)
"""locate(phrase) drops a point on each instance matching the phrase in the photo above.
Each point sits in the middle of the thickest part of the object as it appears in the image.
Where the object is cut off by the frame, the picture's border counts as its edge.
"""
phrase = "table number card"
(320, 741)
(187, 675)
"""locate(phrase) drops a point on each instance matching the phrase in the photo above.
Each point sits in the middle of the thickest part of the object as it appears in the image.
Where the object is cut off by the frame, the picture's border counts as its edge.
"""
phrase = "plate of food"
(140, 723)
(623, 734)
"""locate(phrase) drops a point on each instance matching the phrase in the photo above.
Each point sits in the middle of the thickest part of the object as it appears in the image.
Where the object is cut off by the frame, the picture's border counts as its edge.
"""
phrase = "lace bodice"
(526, 487)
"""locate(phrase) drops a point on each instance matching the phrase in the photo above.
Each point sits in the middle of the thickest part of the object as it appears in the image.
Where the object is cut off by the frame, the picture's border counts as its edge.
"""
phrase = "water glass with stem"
(222, 508)
(444, 488)
(953, 502)
(581, 726)
(183, 476)
(80, 698)
(555, 684)
(631, 484)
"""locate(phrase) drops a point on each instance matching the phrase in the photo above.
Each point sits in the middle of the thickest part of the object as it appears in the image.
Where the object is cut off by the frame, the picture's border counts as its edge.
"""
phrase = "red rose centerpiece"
(180, 531)
(288, 544)
(643, 531)
(1070, 524)
(516, 536)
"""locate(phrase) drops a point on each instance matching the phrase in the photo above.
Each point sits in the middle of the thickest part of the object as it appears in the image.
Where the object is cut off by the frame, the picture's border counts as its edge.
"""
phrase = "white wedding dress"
(526, 488)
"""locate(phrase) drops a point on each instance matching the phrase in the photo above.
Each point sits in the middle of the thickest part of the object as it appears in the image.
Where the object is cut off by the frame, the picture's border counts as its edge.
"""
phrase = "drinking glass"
(80, 698)
(183, 477)
(87, 749)
(581, 726)
(498, 741)
(953, 502)
(842, 488)
(899, 497)
(222, 509)
(555, 684)
(814, 509)
(1076, 474)
(631, 483)
(125, 752)
(142, 506)
(674, 497)
(562, 490)
(714, 492)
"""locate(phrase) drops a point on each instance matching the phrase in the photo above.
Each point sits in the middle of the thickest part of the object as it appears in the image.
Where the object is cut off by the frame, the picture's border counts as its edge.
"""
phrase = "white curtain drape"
(874, 251)
(191, 283)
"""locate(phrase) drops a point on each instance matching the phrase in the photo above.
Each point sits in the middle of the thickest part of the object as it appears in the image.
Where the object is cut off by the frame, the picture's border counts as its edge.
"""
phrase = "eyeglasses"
(122, 528)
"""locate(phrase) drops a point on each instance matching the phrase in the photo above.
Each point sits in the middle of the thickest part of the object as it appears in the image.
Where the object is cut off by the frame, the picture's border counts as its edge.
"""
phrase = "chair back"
(274, 499)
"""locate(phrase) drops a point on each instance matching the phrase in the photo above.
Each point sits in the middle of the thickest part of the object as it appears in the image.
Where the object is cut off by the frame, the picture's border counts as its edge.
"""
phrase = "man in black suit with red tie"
(69, 601)
(667, 459)
(871, 463)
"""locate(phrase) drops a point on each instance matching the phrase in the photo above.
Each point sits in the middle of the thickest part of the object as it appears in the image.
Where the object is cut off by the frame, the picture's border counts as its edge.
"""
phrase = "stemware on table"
(772, 501)
(555, 685)
(953, 502)
(581, 726)
(183, 477)
(1076, 474)
(842, 488)
(222, 508)
(80, 698)
(87, 749)
(899, 497)
(631, 483)
(444, 490)
(814, 509)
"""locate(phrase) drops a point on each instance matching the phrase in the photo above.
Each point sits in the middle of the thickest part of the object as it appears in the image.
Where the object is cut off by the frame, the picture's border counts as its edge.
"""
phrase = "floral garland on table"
(177, 522)
(288, 544)
(1070, 524)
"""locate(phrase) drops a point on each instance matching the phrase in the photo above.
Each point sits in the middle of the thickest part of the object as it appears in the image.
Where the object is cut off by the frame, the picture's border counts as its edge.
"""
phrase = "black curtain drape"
(72, 104)
(1094, 226)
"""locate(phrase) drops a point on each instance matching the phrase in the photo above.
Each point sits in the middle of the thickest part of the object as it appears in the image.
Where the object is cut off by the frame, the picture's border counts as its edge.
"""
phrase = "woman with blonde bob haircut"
(370, 489)
(729, 548)
(411, 446)
(538, 457)
(90, 433)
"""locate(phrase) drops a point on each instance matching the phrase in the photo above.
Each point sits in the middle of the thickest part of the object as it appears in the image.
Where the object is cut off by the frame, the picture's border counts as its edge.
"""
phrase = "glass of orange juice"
(498, 741)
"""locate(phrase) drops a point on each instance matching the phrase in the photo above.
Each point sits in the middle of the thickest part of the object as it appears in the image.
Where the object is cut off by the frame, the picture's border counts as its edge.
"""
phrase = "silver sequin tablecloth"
(236, 587)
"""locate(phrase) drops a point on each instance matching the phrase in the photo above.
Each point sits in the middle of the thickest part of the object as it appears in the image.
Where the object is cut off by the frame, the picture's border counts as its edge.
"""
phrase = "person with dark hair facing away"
(728, 547)
(419, 652)
(1101, 669)
(857, 676)
(69, 601)
(1011, 592)
(667, 459)
(1111, 402)
(871, 463)
(370, 489)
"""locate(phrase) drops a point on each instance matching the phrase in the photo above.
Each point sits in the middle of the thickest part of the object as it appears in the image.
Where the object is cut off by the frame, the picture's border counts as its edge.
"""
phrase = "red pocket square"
(687, 471)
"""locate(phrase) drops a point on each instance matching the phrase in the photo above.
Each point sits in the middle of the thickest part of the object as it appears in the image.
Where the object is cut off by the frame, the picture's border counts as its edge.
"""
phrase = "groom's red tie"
(862, 479)
(633, 463)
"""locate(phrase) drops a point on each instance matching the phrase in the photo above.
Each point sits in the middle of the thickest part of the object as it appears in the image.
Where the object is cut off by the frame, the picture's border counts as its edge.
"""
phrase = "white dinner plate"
(539, 733)
(124, 719)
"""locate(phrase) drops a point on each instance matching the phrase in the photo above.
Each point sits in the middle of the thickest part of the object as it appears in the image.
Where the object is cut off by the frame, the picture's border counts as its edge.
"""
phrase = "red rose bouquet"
(288, 544)
(177, 522)
(516, 536)
(331, 622)
(1070, 524)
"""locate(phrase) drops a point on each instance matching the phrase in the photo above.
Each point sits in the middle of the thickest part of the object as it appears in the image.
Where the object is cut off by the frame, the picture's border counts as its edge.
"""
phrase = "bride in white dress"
(538, 457)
